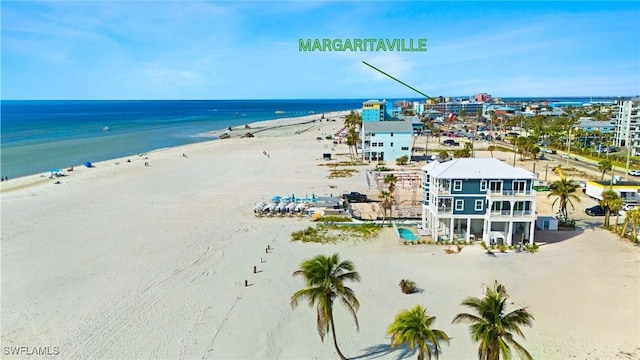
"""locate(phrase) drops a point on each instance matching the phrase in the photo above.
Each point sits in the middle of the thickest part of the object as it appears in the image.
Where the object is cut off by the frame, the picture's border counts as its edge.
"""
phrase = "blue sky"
(249, 50)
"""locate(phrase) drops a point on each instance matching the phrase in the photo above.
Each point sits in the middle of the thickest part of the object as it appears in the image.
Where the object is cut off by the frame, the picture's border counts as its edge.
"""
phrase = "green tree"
(564, 191)
(413, 327)
(325, 279)
(386, 204)
(608, 197)
(604, 166)
(632, 219)
(443, 154)
(402, 160)
(493, 328)
(390, 180)
(615, 206)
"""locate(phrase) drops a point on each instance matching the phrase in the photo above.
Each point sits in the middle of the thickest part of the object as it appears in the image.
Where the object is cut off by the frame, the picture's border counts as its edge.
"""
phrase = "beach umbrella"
(276, 198)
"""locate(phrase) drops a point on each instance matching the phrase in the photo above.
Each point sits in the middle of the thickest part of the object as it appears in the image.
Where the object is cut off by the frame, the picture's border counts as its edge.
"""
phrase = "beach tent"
(88, 164)
(56, 172)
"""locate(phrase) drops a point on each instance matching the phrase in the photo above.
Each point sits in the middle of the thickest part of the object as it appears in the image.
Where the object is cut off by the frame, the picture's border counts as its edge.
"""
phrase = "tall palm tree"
(608, 196)
(325, 278)
(391, 181)
(386, 204)
(615, 206)
(564, 191)
(414, 327)
(604, 166)
(493, 328)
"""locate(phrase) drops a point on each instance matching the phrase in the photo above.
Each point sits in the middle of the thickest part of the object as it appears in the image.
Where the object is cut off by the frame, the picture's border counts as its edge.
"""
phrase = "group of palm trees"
(491, 326)
(352, 123)
(612, 203)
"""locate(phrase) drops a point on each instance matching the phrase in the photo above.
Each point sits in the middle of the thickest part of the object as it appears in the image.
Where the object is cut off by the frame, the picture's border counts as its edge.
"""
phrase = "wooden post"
(255, 270)
(246, 283)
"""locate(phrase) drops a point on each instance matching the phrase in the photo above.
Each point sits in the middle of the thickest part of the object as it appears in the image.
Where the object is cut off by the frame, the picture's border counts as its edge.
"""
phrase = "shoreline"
(265, 128)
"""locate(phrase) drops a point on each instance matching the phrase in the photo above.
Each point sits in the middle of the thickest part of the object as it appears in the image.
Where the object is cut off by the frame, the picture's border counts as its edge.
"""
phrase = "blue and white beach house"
(382, 137)
(469, 198)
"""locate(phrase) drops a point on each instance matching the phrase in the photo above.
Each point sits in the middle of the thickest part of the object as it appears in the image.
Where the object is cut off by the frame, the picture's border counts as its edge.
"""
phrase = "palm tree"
(391, 181)
(386, 204)
(615, 206)
(608, 196)
(443, 154)
(492, 328)
(604, 166)
(325, 278)
(414, 327)
(564, 191)
(632, 219)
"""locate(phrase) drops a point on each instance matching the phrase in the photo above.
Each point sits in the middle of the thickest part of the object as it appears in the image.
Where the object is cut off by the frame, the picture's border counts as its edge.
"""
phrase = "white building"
(627, 125)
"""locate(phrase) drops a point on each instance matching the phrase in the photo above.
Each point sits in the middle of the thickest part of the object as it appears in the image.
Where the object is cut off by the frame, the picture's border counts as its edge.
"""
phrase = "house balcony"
(443, 190)
(516, 193)
(509, 213)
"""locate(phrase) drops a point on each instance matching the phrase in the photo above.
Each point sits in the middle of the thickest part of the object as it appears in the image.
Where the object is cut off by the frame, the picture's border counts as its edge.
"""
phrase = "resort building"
(374, 110)
(469, 198)
(627, 125)
(386, 140)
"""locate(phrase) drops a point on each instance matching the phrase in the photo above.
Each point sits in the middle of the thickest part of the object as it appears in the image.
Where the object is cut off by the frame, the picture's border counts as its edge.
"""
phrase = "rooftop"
(472, 168)
(388, 126)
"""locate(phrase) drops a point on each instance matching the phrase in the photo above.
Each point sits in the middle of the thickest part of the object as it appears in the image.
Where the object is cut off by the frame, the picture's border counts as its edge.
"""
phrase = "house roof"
(388, 126)
(472, 168)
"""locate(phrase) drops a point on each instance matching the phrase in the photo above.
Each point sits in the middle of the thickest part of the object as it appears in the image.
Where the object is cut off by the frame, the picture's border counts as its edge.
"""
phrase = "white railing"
(509, 192)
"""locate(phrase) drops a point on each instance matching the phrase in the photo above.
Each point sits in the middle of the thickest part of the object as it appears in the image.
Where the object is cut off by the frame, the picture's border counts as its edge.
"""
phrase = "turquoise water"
(42, 135)
(407, 234)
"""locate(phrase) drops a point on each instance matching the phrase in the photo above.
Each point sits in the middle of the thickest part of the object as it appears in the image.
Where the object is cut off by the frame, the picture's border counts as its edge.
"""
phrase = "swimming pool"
(407, 234)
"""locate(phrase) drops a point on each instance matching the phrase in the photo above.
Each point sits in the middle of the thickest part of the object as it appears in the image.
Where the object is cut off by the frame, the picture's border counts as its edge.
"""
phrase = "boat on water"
(280, 112)
(106, 128)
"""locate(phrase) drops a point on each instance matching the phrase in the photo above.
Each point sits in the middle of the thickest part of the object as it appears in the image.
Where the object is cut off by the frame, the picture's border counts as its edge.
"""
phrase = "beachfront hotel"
(468, 198)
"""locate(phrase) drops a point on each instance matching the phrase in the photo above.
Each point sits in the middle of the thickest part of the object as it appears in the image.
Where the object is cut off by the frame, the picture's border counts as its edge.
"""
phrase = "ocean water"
(40, 135)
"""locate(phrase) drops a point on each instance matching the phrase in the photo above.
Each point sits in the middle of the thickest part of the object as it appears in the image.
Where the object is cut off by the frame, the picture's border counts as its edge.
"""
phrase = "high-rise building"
(627, 124)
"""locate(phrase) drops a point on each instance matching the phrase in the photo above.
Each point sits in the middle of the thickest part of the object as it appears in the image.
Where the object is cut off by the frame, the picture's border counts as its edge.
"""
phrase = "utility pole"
(569, 146)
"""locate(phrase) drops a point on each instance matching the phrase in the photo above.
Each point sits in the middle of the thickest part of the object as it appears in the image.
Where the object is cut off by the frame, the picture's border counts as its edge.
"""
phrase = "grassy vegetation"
(338, 173)
(333, 233)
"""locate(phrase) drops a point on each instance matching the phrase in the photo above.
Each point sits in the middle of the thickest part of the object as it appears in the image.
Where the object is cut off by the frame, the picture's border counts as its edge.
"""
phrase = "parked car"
(565, 156)
(355, 197)
(595, 211)
(451, 142)
(634, 172)
(627, 207)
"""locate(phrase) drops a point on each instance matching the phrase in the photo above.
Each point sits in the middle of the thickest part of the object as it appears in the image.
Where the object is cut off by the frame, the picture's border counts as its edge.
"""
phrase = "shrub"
(407, 286)
(402, 160)
(532, 248)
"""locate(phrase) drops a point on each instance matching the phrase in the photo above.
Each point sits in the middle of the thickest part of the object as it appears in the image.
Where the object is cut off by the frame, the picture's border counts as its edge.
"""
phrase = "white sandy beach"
(126, 261)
